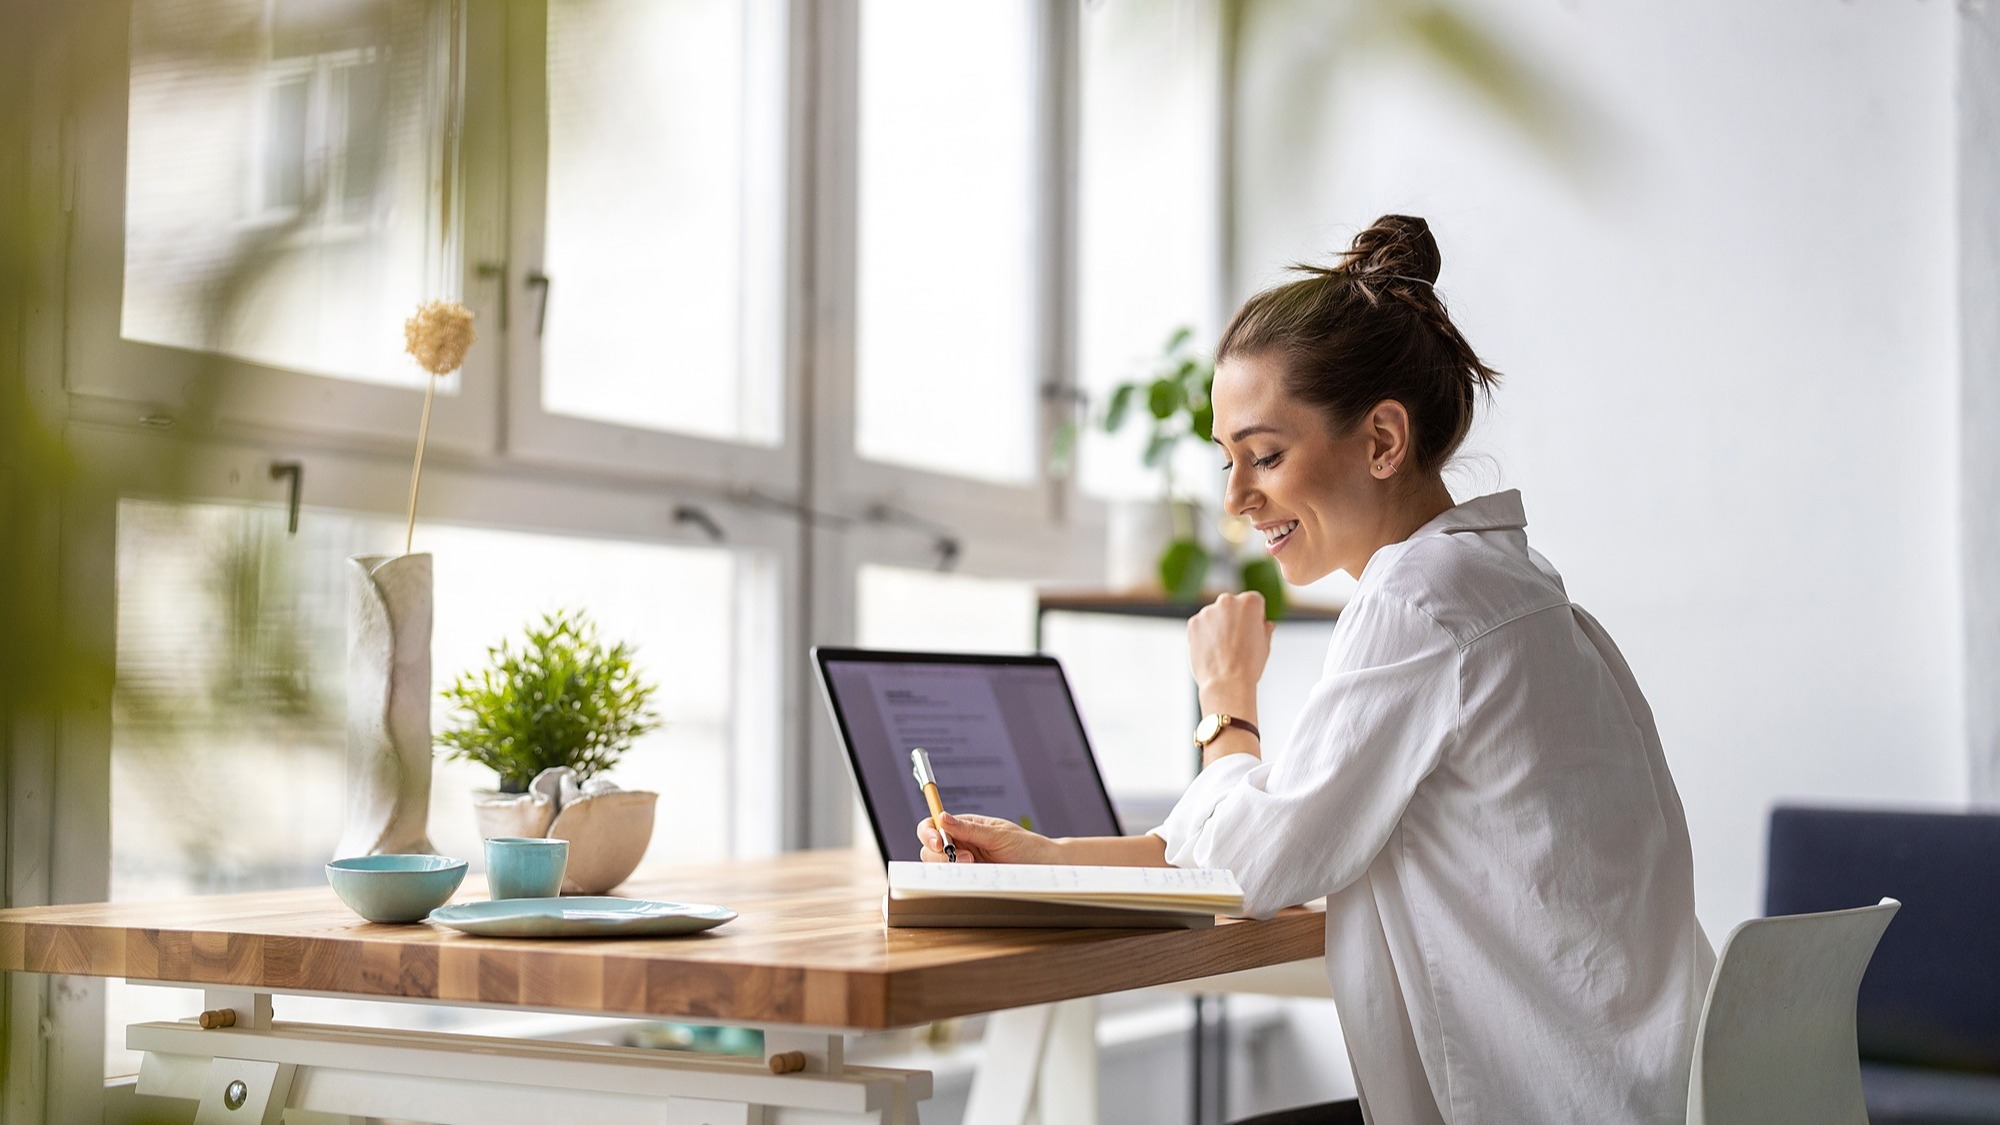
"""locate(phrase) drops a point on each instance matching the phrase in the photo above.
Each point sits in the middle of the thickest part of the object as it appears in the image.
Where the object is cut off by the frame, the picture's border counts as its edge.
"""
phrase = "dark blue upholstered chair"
(1928, 1017)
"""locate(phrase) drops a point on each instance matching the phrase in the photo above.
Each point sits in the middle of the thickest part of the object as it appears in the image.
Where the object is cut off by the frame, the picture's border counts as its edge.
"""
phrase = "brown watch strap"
(1228, 721)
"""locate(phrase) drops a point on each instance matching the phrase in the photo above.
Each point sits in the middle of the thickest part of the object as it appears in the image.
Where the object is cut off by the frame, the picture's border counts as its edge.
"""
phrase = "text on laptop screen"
(1004, 740)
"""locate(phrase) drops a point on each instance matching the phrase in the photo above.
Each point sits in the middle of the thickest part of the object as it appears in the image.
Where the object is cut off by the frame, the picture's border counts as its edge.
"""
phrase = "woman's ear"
(1388, 431)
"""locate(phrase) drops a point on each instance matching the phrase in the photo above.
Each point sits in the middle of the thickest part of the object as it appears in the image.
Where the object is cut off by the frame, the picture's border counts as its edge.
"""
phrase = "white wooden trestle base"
(1040, 1067)
(255, 1072)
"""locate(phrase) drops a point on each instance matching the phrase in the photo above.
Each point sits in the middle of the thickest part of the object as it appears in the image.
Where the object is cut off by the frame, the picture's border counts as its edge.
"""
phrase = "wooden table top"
(808, 948)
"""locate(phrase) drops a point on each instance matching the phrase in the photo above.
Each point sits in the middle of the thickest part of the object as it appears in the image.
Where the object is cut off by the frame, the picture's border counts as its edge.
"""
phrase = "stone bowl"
(395, 888)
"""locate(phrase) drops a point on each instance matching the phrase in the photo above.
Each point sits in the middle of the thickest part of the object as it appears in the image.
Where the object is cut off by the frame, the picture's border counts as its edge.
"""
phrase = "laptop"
(1002, 732)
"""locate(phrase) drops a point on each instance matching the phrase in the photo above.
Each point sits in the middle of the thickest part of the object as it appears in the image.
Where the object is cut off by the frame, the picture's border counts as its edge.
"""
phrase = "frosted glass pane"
(665, 212)
(230, 707)
(927, 611)
(1148, 208)
(287, 180)
(1130, 675)
(945, 364)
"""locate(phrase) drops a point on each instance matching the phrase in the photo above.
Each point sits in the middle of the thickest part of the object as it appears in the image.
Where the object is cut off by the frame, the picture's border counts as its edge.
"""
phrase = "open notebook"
(1011, 894)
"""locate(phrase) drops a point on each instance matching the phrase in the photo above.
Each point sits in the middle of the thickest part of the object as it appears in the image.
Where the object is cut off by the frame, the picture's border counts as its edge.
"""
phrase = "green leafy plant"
(564, 698)
(1175, 396)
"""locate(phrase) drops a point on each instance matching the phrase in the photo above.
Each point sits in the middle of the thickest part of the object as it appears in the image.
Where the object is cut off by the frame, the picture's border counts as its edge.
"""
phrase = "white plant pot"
(1136, 532)
(511, 814)
(608, 828)
(607, 833)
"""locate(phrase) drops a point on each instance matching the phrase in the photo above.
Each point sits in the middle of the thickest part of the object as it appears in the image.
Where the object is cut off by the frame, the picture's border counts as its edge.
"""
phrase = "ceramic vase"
(388, 705)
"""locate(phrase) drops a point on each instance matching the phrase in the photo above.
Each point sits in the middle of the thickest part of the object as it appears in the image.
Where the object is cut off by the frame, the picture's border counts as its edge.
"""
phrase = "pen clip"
(920, 767)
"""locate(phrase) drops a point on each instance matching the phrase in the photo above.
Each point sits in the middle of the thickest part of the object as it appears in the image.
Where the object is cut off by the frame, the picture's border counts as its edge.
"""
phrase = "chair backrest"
(1776, 1043)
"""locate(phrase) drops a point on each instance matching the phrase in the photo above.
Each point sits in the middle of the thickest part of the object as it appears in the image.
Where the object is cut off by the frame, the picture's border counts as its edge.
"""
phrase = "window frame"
(165, 387)
(809, 513)
(537, 435)
(860, 484)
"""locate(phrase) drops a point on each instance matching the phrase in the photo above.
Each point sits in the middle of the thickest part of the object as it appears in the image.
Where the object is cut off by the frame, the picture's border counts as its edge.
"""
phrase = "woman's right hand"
(985, 839)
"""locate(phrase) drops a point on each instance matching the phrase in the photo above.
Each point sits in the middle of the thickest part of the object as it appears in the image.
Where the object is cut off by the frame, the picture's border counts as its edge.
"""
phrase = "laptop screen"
(1002, 733)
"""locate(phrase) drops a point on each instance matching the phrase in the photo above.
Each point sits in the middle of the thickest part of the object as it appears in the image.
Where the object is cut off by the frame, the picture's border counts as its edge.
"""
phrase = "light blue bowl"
(395, 888)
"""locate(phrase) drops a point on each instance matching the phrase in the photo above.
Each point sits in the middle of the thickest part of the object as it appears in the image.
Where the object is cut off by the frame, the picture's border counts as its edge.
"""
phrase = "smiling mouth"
(1275, 537)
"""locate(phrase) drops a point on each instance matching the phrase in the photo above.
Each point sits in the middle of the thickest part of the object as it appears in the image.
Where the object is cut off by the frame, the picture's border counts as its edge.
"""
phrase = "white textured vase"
(388, 705)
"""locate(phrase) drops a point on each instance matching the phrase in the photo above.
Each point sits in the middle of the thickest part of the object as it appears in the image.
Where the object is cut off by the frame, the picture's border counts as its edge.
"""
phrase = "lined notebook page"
(1200, 890)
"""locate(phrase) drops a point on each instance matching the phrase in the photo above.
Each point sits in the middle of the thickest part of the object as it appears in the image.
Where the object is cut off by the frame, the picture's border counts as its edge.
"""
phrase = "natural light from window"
(287, 180)
(664, 257)
(945, 362)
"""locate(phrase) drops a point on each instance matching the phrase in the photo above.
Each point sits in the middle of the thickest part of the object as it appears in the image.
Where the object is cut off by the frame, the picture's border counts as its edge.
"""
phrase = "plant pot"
(607, 833)
(608, 828)
(517, 814)
(1136, 532)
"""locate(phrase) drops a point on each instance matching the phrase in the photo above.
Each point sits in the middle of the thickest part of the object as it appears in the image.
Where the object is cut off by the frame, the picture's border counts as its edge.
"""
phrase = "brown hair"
(1370, 328)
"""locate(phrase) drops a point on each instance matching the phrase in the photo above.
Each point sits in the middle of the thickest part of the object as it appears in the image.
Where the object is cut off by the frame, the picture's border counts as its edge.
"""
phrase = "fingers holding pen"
(933, 840)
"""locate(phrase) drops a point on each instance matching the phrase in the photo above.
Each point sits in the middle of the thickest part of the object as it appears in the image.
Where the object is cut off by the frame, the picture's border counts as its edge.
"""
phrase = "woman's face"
(1308, 492)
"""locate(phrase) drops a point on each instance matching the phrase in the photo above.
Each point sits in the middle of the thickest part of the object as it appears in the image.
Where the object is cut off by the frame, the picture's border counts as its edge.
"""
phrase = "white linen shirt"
(1477, 787)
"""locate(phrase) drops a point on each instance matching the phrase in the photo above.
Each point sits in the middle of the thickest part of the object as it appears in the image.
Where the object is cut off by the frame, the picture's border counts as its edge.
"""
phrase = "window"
(949, 237)
(665, 217)
(925, 610)
(775, 313)
(1149, 240)
(289, 187)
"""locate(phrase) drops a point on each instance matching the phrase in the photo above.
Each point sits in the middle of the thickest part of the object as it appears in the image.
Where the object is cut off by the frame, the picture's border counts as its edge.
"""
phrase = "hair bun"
(1395, 246)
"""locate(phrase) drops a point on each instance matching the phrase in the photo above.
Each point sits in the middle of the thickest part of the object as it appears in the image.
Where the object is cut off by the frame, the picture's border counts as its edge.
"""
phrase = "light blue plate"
(580, 916)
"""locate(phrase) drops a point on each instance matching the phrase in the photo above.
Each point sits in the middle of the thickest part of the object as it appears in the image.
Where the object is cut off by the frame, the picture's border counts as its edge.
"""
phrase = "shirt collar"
(1499, 512)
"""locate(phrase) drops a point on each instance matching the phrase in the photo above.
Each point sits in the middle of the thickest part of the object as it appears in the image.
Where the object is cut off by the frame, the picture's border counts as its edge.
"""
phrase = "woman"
(1476, 784)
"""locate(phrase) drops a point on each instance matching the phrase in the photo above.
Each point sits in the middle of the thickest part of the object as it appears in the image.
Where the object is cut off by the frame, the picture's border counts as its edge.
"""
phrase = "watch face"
(1208, 728)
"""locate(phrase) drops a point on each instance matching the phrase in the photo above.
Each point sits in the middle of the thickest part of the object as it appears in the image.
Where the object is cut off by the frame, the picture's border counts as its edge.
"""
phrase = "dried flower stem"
(417, 472)
(437, 337)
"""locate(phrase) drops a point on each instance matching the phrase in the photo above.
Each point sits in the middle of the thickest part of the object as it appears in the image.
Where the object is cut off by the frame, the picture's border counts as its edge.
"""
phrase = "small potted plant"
(550, 717)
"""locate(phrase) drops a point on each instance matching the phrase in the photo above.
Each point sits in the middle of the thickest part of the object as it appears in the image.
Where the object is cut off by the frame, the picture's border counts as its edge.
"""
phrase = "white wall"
(1979, 336)
(1730, 346)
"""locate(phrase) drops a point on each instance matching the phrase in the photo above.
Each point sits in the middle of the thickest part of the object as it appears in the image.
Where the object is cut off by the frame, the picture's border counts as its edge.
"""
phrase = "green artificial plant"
(564, 698)
(1175, 397)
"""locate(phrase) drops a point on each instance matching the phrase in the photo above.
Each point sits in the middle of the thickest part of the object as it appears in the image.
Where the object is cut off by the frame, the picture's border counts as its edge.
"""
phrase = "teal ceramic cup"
(525, 866)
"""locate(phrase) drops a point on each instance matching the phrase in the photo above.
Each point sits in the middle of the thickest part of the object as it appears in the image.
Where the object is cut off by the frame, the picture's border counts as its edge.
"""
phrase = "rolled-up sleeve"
(1309, 821)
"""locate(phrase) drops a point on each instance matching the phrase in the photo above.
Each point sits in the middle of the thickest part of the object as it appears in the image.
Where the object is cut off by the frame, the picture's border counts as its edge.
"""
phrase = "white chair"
(1776, 1043)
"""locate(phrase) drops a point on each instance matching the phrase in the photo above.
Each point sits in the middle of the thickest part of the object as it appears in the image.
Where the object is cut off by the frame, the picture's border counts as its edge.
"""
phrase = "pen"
(920, 765)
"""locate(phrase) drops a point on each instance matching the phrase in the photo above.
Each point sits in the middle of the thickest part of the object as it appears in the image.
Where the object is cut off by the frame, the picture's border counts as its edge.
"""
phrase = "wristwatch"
(1211, 727)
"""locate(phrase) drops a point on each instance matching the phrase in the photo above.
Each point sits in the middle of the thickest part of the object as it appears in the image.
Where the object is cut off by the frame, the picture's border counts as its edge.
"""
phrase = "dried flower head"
(439, 336)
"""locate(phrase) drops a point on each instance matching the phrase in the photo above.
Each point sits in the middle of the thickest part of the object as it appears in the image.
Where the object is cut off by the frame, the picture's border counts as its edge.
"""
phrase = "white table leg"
(244, 1092)
(1067, 1092)
(1037, 1063)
